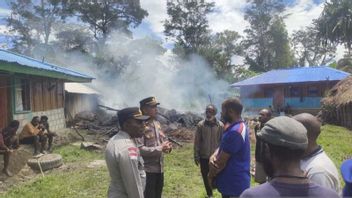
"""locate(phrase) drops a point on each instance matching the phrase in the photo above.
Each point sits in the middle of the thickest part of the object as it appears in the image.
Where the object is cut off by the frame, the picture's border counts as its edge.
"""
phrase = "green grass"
(73, 153)
(182, 176)
(79, 183)
(336, 141)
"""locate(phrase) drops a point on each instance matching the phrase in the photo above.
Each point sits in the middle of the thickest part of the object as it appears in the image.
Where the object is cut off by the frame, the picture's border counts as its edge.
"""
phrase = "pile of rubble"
(177, 125)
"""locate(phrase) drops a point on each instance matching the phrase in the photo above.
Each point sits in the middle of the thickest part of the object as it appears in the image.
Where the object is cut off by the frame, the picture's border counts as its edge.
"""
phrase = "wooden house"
(79, 97)
(29, 87)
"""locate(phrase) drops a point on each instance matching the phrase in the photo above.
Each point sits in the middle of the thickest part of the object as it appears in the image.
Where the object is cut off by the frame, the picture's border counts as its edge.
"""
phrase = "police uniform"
(151, 151)
(125, 167)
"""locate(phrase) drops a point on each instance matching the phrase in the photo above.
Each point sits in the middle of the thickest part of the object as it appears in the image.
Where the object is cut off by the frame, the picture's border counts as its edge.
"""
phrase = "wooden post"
(347, 115)
(338, 115)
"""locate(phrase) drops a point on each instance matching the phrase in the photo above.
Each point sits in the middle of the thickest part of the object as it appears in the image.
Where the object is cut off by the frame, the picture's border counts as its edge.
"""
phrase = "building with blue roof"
(292, 90)
(30, 87)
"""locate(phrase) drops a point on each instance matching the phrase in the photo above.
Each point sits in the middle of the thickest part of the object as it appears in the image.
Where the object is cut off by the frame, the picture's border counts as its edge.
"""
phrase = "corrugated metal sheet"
(28, 62)
(79, 88)
(295, 75)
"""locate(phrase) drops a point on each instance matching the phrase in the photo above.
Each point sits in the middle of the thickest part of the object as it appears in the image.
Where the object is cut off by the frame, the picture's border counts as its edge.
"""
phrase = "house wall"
(56, 118)
(46, 94)
(4, 101)
(46, 97)
(301, 97)
(75, 103)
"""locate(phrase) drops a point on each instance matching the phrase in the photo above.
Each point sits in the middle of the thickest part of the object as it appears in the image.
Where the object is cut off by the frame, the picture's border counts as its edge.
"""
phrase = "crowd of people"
(36, 133)
(289, 161)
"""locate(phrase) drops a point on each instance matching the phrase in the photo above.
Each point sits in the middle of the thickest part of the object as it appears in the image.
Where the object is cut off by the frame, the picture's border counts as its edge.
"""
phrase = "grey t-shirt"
(278, 189)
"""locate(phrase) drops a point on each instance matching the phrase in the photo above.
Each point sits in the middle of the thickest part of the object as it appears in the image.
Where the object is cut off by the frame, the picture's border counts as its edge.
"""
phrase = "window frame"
(27, 86)
(309, 91)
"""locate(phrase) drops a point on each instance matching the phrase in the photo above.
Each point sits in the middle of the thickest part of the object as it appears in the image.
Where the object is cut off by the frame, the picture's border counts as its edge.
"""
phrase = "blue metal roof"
(295, 75)
(36, 65)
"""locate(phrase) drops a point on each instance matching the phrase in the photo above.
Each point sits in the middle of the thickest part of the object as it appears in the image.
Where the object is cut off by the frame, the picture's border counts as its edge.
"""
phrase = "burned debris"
(178, 126)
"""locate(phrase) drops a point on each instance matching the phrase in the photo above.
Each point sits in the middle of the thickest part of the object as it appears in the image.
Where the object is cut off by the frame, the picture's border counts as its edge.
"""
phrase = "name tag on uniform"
(133, 153)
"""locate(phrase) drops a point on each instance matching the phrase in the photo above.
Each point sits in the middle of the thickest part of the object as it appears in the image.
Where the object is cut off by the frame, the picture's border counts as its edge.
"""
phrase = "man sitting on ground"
(8, 142)
(318, 166)
(49, 134)
(285, 141)
(32, 133)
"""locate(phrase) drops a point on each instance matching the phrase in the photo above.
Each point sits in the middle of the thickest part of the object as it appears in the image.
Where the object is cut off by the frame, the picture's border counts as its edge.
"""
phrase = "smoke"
(150, 71)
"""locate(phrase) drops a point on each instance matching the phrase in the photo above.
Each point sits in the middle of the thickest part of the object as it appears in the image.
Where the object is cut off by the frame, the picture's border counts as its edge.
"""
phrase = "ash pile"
(180, 126)
(104, 121)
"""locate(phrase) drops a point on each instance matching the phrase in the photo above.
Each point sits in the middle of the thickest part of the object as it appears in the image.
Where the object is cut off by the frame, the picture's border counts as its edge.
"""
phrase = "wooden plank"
(53, 93)
(36, 95)
(60, 94)
(46, 95)
(4, 101)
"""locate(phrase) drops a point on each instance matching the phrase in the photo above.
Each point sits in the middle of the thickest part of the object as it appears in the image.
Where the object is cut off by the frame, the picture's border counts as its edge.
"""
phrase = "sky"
(229, 15)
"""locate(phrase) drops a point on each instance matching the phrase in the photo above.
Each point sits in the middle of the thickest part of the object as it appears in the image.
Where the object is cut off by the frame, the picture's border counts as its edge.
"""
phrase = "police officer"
(153, 145)
(123, 158)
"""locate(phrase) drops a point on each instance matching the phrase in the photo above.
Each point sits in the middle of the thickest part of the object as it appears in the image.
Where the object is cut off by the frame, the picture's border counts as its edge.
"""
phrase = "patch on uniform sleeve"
(133, 153)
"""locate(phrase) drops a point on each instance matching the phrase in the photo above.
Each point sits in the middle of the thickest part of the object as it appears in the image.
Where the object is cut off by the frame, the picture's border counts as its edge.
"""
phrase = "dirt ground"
(22, 172)
(18, 161)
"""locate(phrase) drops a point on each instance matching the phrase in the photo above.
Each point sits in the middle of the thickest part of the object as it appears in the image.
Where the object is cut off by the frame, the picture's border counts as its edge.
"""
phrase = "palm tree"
(335, 23)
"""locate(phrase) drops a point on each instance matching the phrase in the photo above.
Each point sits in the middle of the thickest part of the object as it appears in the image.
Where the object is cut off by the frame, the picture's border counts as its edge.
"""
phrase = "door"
(4, 101)
(279, 99)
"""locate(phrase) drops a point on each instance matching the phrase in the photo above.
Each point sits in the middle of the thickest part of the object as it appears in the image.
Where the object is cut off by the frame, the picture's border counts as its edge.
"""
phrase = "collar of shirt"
(232, 125)
(314, 153)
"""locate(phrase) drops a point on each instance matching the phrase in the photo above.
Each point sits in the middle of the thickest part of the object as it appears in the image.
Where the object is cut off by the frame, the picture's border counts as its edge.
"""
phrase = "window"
(295, 91)
(313, 91)
(22, 95)
(268, 92)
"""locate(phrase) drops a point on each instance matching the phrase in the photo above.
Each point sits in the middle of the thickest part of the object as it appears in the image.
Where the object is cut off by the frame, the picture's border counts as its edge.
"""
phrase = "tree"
(33, 21)
(75, 40)
(309, 49)
(223, 46)
(335, 23)
(266, 40)
(104, 16)
(187, 25)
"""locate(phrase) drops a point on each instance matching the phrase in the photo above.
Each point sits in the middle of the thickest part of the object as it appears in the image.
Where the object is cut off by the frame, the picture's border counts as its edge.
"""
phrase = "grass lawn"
(182, 177)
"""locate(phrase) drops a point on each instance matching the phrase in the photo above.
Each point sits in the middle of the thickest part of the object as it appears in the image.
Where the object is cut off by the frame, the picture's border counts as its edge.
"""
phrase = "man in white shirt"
(318, 166)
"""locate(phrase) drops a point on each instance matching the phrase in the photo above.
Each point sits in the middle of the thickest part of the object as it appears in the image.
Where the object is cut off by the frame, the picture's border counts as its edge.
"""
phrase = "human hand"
(166, 146)
(212, 161)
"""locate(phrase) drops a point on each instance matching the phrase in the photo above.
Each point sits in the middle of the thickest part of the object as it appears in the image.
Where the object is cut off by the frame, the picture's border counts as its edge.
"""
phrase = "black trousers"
(204, 169)
(154, 185)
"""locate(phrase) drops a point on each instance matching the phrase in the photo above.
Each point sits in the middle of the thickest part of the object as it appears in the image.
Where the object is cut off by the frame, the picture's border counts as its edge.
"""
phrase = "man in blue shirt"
(230, 164)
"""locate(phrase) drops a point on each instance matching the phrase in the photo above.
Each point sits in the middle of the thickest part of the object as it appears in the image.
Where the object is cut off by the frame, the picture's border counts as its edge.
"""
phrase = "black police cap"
(131, 112)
